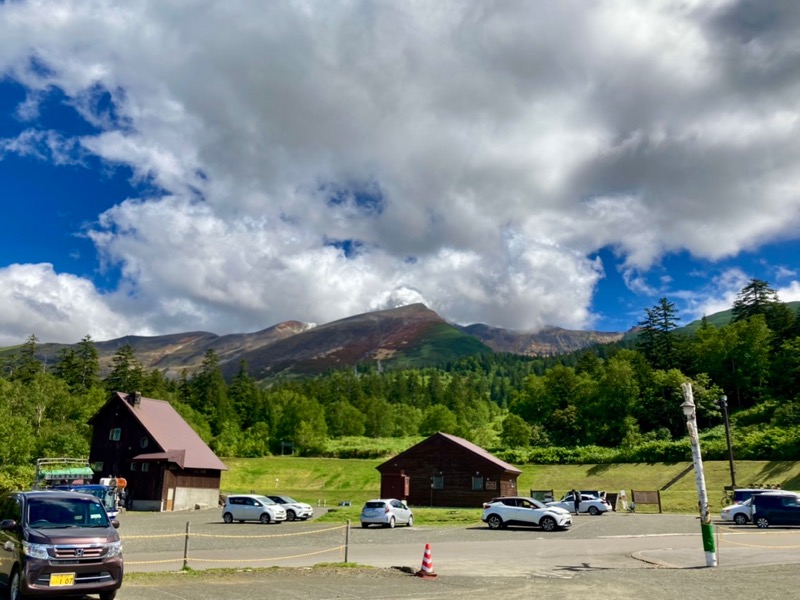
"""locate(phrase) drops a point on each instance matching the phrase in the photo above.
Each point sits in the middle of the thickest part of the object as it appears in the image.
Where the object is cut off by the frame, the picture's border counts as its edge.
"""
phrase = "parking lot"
(648, 554)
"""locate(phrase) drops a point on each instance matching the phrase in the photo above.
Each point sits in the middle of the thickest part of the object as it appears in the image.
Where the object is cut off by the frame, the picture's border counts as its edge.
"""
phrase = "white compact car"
(294, 510)
(386, 512)
(519, 510)
(589, 504)
(252, 507)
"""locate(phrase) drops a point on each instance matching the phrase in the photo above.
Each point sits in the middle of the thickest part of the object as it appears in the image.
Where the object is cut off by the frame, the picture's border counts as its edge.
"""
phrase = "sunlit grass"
(329, 481)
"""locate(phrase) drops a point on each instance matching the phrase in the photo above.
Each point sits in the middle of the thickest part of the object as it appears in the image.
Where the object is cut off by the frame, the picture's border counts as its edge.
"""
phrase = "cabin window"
(97, 467)
(438, 482)
(133, 467)
(145, 467)
(477, 483)
(144, 441)
(115, 434)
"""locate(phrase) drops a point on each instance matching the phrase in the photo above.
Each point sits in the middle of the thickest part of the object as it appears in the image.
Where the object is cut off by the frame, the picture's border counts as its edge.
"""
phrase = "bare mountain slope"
(412, 333)
(547, 342)
(406, 337)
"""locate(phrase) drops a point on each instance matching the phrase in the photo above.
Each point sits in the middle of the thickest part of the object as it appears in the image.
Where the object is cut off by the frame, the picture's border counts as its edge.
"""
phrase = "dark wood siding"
(456, 467)
(117, 457)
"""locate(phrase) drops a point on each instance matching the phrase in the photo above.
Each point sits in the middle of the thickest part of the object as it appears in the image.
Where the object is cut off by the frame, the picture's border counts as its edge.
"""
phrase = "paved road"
(624, 556)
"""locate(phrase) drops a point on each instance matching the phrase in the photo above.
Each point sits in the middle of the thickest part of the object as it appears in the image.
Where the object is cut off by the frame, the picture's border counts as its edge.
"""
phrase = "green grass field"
(330, 481)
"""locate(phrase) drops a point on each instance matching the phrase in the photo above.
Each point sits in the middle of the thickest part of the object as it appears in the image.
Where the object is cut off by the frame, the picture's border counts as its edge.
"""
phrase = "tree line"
(623, 397)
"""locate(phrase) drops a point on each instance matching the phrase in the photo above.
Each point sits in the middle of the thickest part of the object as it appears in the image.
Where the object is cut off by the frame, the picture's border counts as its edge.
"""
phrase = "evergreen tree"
(127, 374)
(210, 393)
(243, 393)
(27, 365)
(657, 339)
(79, 367)
(756, 298)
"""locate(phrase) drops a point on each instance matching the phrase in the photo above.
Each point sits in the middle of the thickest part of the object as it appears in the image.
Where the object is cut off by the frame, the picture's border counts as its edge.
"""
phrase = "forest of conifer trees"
(619, 402)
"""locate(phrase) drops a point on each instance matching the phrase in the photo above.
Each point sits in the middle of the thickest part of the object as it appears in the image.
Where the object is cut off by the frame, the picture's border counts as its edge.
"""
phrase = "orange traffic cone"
(426, 572)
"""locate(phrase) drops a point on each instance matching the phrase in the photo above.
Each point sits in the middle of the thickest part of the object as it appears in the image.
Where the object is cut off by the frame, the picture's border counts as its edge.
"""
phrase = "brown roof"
(467, 445)
(178, 441)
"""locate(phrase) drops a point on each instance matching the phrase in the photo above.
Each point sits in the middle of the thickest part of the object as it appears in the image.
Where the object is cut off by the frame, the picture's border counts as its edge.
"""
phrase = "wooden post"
(186, 546)
(347, 540)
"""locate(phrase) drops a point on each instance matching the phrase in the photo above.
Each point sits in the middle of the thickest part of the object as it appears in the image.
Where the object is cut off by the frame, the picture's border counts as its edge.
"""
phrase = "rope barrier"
(216, 535)
(231, 560)
(187, 556)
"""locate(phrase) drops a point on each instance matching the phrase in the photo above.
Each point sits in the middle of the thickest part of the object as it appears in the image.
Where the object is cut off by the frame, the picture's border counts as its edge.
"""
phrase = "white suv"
(294, 509)
(251, 507)
(519, 510)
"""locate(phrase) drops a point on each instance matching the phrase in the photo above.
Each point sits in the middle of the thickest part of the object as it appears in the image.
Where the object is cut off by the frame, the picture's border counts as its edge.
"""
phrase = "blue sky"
(226, 167)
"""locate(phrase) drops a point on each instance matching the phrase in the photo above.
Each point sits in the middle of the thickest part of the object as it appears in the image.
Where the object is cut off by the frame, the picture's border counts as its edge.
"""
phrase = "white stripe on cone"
(427, 561)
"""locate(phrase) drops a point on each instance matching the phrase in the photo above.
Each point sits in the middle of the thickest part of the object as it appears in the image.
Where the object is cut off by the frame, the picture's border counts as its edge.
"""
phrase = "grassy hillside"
(333, 480)
(723, 318)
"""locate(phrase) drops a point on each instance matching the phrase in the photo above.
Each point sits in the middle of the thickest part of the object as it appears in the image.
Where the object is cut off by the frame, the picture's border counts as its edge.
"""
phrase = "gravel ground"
(642, 557)
(378, 584)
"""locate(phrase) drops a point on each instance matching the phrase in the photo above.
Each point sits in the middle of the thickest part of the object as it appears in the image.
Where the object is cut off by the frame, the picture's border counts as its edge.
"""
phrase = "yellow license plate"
(62, 579)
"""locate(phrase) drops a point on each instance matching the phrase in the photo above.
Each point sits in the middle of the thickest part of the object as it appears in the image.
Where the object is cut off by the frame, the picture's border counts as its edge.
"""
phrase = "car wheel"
(364, 525)
(740, 519)
(290, 516)
(494, 521)
(762, 522)
(264, 518)
(13, 587)
(227, 517)
(391, 523)
(548, 523)
(594, 511)
(108, 595)
(410, 521)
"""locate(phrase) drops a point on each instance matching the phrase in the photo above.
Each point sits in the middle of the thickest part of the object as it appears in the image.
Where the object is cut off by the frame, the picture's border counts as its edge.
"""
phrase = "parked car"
(519, 510)
(589, 504)
(107, 495)
(252, 507)
(742, 494)
(776, 509)
(386, 512)
(58, 543)
(294, 509)
(738, 513)
(741, 513)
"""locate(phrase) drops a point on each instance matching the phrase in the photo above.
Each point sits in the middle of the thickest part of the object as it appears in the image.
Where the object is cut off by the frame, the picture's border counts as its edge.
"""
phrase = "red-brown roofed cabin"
(167, 466)
(446, 470)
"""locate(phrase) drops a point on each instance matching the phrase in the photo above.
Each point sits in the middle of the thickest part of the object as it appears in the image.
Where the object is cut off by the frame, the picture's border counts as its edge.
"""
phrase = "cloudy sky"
(225, 166)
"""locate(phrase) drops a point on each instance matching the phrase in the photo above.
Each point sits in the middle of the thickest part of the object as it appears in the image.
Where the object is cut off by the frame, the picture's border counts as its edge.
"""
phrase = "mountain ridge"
(404, 337)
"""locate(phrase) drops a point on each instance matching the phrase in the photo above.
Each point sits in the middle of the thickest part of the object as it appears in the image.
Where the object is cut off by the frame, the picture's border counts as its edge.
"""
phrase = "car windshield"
(265, 500)
(53, 513)
(286, 499)
(537, 504)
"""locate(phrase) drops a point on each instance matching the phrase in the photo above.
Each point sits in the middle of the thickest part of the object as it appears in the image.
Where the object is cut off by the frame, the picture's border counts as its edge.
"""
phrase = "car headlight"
(114, 549)
(35, 550)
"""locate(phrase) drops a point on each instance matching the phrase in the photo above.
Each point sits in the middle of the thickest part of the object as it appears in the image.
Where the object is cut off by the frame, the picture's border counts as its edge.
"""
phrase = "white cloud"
(55, 307)
(501, 144)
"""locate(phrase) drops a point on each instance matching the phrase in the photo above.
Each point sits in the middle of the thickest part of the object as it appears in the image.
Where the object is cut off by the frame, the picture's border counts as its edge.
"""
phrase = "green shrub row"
(751, 443)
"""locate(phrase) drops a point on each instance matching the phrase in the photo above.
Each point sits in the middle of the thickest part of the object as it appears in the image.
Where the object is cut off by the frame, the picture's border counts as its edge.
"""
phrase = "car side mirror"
(8, 525)
(115, 523)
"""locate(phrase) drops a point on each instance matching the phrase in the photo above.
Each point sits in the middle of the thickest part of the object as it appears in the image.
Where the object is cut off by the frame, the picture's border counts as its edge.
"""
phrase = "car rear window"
(374, 505)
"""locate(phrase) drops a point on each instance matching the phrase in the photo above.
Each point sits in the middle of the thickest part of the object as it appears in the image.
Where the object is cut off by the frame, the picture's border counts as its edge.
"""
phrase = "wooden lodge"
(165, 464)
(446, 470)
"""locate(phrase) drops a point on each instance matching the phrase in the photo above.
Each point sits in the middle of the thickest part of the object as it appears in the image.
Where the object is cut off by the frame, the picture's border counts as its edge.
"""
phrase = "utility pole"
(706, 529)
(723, 402)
